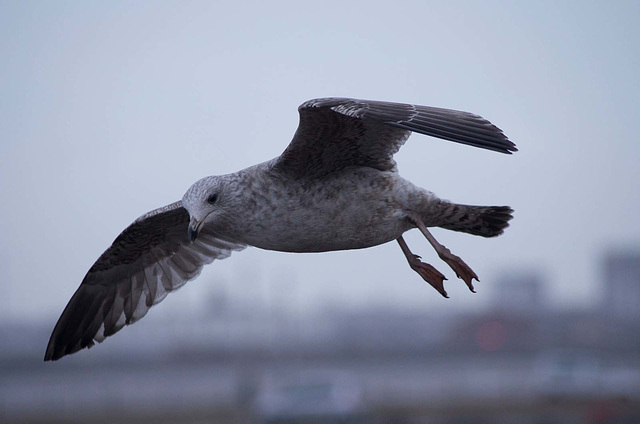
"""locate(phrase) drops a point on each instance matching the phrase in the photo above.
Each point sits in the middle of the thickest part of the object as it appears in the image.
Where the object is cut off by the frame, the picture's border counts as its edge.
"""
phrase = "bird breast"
(353, 209)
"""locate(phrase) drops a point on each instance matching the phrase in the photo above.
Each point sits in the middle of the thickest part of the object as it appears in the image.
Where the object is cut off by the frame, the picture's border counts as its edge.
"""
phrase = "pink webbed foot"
(462, 270)
(429, 274)
(426, 271)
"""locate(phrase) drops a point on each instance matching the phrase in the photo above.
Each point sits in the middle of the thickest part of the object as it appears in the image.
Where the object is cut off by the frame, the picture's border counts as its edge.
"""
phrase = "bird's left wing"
(149, 259)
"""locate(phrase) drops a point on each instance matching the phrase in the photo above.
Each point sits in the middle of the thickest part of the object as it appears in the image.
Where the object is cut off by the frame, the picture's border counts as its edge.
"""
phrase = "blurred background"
(109, 110)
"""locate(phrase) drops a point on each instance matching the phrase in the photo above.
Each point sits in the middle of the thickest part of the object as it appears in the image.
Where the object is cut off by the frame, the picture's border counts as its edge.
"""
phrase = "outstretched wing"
(337, 132)
(149, 259)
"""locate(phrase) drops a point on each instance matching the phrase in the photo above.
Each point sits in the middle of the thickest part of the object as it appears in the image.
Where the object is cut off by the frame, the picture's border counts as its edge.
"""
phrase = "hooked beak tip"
(192, 232)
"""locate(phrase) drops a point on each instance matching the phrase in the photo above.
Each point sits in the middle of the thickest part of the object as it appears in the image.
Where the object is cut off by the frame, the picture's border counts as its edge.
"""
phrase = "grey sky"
(108, 110)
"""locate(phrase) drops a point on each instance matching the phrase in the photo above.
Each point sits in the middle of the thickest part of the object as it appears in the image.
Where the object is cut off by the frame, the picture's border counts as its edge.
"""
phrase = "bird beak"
(194, 227)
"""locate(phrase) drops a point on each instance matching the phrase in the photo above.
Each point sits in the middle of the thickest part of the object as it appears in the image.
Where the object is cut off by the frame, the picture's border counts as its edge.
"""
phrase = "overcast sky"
(111, 109)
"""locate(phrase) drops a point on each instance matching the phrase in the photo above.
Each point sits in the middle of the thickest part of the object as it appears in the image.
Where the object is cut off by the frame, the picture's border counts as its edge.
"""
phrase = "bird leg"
(462, 270)
(426, 271)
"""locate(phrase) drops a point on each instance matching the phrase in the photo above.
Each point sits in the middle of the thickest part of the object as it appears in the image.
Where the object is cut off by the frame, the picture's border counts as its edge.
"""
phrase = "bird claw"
(462, 270)
(429, 274)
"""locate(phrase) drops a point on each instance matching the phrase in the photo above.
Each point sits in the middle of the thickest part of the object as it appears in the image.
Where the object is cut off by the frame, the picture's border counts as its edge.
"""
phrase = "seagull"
(335, 187)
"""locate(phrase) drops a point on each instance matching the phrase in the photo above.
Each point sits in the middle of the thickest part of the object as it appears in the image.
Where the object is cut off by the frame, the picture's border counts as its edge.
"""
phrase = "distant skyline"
(109, 110)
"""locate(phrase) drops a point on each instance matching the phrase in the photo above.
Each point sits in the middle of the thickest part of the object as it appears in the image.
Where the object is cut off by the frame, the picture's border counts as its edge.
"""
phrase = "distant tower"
(621, 297)
(518, 293)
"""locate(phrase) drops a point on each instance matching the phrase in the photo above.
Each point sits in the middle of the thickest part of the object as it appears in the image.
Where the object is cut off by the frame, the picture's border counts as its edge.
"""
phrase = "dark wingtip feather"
(69, 334)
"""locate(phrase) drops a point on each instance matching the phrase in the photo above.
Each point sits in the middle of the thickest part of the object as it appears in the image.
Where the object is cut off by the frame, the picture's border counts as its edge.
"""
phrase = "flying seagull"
(335, 187)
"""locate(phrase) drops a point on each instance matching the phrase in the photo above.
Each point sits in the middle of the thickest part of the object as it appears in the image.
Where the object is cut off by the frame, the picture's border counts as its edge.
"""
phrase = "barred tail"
(485, 221)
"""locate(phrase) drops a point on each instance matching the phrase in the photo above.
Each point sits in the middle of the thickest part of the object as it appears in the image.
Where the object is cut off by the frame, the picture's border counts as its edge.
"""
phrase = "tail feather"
(485, 221)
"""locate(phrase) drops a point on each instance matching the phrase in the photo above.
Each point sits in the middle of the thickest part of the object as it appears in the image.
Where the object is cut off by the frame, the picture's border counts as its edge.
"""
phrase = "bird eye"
(212, 199)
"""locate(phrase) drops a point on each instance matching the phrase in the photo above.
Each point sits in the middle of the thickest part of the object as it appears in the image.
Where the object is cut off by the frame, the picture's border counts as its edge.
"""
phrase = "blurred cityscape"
(518, 361)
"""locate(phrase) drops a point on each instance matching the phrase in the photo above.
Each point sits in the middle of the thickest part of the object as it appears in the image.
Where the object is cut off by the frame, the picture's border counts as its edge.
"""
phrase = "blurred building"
(518, 293)
(252, 360)
(621, 297)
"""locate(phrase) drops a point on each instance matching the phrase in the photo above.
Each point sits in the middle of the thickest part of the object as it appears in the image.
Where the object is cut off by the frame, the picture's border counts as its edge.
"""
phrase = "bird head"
(205, 203)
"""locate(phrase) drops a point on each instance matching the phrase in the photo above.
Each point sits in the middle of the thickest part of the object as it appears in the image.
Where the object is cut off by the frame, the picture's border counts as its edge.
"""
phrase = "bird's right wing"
(149, 259)
(335, 133)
